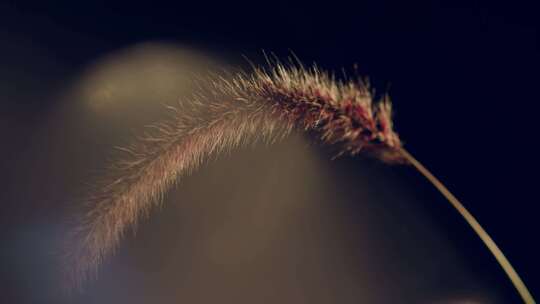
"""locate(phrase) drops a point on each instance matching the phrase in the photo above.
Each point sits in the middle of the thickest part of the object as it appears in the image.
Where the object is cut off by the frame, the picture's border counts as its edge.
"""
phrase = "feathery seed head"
(224, 113)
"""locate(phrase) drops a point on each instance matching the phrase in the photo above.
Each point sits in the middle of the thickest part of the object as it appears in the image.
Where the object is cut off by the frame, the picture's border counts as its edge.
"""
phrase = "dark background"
(462, 74)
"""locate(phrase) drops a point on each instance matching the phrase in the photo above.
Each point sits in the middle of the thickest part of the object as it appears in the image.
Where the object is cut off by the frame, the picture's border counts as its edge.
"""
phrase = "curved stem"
(503, 261)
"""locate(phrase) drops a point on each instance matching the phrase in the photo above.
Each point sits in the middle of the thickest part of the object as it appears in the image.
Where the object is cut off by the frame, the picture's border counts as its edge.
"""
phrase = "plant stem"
(503, 261)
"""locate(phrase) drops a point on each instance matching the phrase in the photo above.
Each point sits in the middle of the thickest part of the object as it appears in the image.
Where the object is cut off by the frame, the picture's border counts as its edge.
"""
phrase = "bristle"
(229, 112)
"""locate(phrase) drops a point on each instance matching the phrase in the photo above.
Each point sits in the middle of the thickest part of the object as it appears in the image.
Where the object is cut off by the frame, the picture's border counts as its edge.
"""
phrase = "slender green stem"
(503, 261)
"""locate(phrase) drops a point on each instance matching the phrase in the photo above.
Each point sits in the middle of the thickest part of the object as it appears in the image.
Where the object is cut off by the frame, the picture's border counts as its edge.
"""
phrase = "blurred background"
(282, 223)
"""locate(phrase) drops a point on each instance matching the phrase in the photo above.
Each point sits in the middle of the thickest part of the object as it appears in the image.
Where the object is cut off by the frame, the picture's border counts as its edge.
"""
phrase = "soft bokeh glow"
(127, 84)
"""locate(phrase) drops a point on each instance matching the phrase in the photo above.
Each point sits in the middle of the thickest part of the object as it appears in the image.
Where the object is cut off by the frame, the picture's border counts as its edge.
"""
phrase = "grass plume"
(226, 112)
